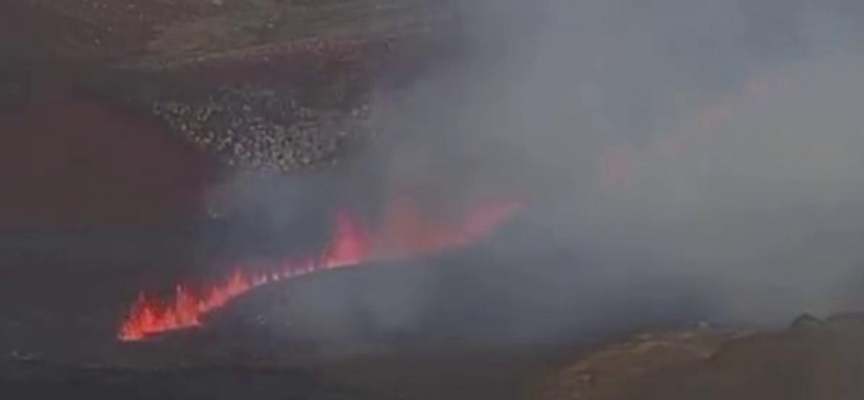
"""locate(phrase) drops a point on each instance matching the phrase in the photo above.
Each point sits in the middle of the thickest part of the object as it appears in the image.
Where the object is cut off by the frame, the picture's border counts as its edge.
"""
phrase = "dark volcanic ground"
(101, 202)
(110, 205)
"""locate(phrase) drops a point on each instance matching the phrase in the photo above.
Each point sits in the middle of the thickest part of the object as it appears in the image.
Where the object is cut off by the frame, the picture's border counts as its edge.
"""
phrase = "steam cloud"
(713, 147)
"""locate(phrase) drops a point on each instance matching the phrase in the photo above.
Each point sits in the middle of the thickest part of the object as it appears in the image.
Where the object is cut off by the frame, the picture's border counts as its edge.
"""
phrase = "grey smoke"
(762, 204)
(763, 208)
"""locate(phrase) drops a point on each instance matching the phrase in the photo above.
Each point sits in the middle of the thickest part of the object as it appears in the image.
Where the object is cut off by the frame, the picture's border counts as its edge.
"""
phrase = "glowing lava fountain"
(404, 232)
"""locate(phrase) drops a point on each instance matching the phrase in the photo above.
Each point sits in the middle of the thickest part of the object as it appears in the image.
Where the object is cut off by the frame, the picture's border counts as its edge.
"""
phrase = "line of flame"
(404, 233)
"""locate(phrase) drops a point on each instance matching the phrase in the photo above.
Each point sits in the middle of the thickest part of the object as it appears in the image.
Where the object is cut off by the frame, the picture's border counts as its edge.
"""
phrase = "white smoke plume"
(723, 138)
(704, 144)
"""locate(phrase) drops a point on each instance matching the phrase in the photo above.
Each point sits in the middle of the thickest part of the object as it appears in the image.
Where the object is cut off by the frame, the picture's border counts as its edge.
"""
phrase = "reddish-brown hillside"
(67, 164)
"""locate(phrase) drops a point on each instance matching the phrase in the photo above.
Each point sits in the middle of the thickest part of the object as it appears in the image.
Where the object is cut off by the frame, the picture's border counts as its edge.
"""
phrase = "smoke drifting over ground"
(699, 144)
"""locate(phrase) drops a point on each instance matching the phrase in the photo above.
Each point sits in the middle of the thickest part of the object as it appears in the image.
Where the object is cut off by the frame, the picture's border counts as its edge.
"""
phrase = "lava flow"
(405, 232)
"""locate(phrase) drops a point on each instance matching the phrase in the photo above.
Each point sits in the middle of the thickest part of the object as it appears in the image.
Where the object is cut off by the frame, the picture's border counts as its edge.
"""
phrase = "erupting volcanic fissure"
(404, 232)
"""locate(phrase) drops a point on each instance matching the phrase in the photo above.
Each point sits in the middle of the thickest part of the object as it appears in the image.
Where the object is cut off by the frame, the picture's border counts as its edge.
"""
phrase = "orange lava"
(405, 232)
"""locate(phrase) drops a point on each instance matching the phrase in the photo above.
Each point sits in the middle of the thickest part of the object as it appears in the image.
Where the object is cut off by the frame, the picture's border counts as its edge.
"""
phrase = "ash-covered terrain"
(811, 359)
(265, 128)
(278, 86)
